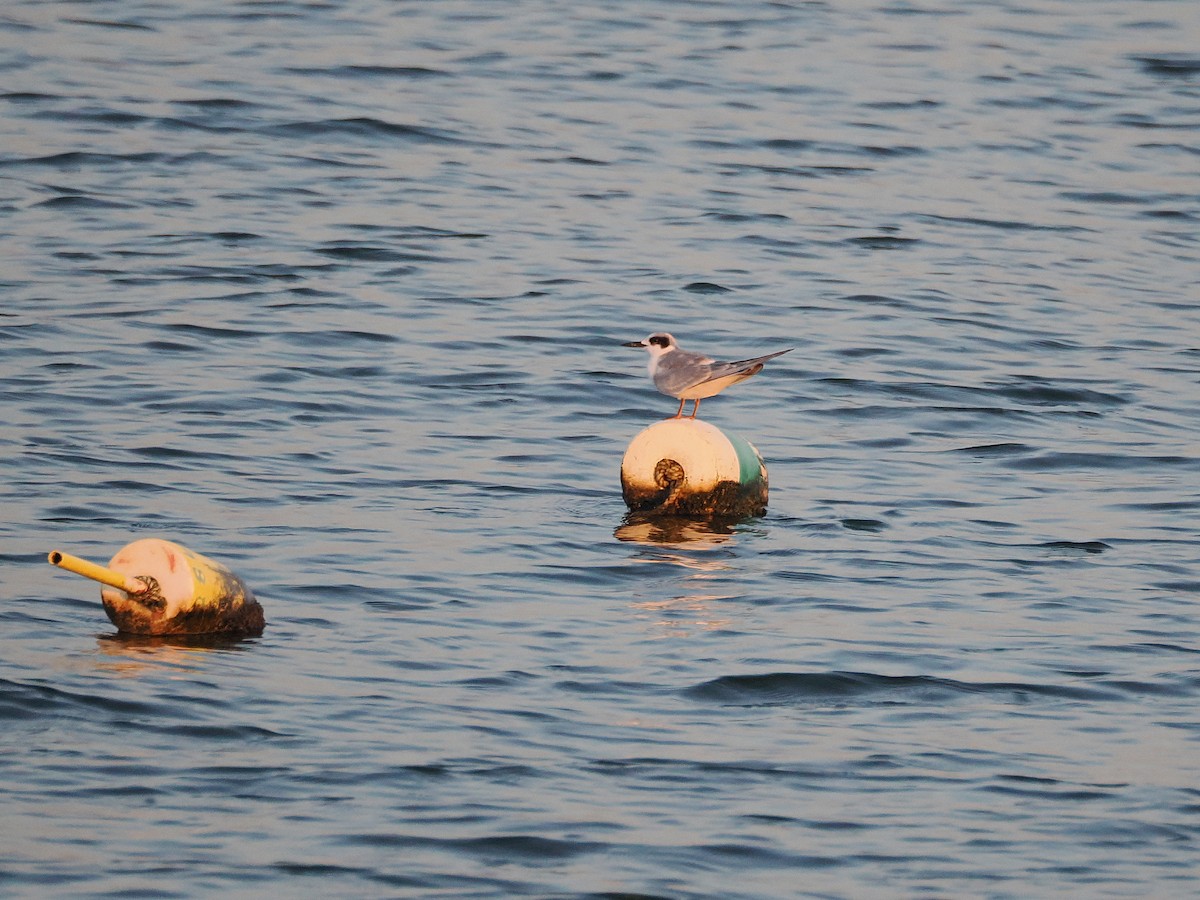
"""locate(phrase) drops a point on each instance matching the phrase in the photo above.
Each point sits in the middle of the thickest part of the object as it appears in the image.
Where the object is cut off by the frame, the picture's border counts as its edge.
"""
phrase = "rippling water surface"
(334, 294)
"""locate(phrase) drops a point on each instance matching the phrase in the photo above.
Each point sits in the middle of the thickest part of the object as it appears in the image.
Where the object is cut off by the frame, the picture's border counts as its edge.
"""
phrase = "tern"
(692, 376)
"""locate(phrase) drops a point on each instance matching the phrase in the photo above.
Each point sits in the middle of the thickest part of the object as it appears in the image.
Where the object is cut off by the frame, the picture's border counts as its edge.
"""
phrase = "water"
(334, 295)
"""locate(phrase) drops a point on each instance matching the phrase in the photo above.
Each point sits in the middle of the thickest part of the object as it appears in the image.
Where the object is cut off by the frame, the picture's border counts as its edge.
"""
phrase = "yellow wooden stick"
(96, 572)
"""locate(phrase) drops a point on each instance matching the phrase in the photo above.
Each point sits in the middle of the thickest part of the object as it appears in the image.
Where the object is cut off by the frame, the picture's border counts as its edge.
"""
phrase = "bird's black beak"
(634, 344)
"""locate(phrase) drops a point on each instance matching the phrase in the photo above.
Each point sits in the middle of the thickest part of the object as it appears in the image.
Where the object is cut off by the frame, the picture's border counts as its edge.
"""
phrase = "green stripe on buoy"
(749, 462)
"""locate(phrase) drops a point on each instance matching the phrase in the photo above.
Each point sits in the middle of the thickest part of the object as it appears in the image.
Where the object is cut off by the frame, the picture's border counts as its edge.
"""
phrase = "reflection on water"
(699, 534)
(130, 654)
(679, 616)
(670, 540)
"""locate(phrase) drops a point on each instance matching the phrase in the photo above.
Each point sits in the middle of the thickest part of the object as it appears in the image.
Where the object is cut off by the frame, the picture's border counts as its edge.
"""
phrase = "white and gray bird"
(692, 376)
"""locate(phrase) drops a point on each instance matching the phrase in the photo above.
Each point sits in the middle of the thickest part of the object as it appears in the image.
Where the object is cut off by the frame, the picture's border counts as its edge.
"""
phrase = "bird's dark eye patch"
(659, 341)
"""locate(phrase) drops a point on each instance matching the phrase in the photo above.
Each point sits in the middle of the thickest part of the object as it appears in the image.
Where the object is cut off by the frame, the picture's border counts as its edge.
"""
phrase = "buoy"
(154, 586)
(690, 467)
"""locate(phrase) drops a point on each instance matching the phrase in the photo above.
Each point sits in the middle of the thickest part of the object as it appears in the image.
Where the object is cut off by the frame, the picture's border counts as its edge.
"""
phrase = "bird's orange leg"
(695, 409)
(679, 413)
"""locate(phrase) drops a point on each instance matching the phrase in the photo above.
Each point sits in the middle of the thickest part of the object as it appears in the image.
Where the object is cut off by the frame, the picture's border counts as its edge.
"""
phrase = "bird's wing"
(742, 366)
(680, 370)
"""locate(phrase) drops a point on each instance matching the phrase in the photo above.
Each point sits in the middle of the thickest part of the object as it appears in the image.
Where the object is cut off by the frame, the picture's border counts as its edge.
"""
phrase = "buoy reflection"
(132, 654)
(660, 530)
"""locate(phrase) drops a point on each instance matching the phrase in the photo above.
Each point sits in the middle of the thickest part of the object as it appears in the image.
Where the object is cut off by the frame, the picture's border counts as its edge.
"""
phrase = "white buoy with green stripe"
(691, 467)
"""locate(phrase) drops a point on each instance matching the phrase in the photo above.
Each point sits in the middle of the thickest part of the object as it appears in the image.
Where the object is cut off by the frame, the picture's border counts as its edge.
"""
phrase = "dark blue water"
(334, 294)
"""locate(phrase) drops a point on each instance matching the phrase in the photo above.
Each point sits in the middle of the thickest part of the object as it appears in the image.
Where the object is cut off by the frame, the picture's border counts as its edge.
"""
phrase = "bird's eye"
(658, 340)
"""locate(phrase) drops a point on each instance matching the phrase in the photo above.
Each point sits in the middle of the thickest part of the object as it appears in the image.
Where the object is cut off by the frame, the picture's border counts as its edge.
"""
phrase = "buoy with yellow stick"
(154, 586)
